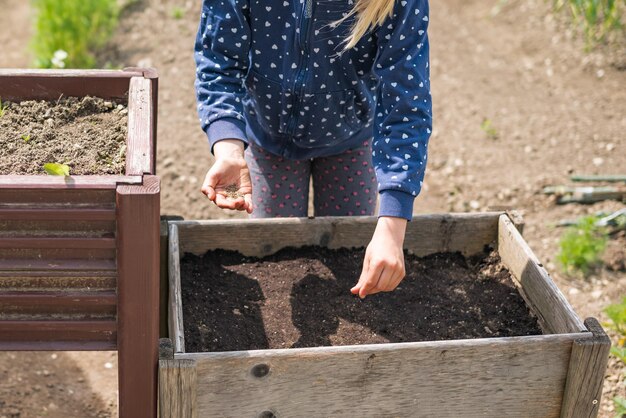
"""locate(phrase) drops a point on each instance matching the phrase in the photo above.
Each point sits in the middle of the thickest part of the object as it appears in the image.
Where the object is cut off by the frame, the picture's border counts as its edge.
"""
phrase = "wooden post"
(177, 389)
(138, 297)
(164, 292)
(166, 349)
(587, 366)
(163, 286)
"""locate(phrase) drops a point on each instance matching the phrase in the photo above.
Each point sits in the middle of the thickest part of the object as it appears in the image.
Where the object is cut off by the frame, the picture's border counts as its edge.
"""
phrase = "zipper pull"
(308, 12)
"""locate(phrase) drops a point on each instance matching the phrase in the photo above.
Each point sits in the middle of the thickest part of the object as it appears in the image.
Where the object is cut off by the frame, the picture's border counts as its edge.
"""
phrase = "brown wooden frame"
(79, 256)
(556, 374)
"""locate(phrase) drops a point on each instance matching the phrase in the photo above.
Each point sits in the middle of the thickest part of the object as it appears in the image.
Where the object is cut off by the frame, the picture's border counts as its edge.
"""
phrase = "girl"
(324, 89)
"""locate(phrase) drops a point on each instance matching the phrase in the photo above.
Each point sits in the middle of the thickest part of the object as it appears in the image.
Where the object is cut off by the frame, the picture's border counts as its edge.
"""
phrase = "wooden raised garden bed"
(79, 255)
(557, 373)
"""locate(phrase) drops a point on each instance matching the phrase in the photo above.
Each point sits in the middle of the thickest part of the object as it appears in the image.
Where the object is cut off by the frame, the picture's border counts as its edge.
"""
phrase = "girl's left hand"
(383, 266)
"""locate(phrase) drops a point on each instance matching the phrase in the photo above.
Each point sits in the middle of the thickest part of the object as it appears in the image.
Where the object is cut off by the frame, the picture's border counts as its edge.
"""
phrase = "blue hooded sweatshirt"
(270, 72)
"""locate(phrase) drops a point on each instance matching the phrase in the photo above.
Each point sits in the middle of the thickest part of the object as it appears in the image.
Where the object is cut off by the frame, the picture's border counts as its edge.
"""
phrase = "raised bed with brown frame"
(79, 256)
(556, 374)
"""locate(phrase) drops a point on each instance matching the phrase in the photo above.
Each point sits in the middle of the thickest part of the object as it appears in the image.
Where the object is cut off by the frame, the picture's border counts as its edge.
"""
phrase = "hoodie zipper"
(305, 19)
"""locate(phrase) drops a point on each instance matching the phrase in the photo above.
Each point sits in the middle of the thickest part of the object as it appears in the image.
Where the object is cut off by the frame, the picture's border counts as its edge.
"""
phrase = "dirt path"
(15, 34)
(555, 110)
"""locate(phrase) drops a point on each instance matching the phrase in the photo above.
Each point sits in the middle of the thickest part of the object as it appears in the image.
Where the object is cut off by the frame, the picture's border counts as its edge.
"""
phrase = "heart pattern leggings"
(343, 185)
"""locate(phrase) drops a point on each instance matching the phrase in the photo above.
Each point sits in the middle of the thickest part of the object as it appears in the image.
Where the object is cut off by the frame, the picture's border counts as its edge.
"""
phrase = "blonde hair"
(369, 14)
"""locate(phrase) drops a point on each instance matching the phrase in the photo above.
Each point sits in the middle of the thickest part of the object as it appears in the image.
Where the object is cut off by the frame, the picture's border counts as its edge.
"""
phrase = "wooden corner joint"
(151, 185)
(147, 72)
(517, 219)
(583, 388)
(599, 336)
(166, 349)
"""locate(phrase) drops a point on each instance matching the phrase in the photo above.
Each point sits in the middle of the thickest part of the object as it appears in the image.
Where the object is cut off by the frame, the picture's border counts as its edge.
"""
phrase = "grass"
(26, 138)
(597, 18)
(69, 33)
(581, 246)
(178, 13)
(3, 108)
(489, 129)
(617, 317)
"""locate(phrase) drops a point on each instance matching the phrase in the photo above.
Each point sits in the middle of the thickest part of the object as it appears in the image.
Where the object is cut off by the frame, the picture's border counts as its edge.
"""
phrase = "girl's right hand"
(227, 183)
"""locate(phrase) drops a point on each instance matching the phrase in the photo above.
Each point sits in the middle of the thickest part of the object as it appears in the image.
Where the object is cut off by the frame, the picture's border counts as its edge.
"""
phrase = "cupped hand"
(383, 266)
(227, 183)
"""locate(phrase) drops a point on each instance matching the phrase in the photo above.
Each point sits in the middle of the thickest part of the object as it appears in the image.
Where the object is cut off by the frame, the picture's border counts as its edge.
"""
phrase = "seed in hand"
(232, 192)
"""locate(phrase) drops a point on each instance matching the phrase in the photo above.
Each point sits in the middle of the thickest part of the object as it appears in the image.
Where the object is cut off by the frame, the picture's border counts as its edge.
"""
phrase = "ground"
(555, 108)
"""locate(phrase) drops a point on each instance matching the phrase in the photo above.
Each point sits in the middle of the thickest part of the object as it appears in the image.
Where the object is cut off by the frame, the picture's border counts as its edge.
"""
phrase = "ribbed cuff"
(397, 204)
(226, 128)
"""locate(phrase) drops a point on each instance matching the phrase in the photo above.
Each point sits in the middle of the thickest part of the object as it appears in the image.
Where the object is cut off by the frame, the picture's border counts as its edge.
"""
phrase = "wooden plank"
(48, 331)
(59, 182)
(138, 297)
(56, 214)
(163, 281)
(517, 219)
(152, 75)
(426, 234)
(17, 85)
(139, 141)
(127, 73)
(524, 376)
(70, 345)
(175, 299)
(554, 313)
(164, 276)
(71, 281)
(57, 229)
(57, 302)
(74, 243)
(178, 389)
(37, 254)
(61, 265)
(57, 199)
(587, 366)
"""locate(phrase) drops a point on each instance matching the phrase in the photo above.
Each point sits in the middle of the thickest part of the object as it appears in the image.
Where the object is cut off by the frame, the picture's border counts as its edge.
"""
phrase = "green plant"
(26, 138)
(597, 18)
(582, 245)
(617, 317)
(56, 169)
(3, 108)
(68, 33)
(620, 407)
(178, 13)
(489, 129)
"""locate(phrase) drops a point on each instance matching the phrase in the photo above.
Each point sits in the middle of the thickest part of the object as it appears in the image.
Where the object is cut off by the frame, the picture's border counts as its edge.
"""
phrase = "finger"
(385, 282)
(208, 187)
(366, 262)
(397, 279)
(226, 203)
(248, 202)
(371, 280)
(209, 192)
(238, 202)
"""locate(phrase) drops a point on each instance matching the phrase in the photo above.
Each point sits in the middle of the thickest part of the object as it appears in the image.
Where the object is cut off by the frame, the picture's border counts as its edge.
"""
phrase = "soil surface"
(556, 109)
(301, 298)
(45, 385)
(87, 134)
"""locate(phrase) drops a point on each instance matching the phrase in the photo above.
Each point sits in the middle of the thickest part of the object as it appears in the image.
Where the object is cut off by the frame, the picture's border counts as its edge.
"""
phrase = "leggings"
(343, 185)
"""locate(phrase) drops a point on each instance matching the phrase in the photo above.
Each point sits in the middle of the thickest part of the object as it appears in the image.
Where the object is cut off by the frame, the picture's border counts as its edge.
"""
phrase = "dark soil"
(301, 298)
(88, 134)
